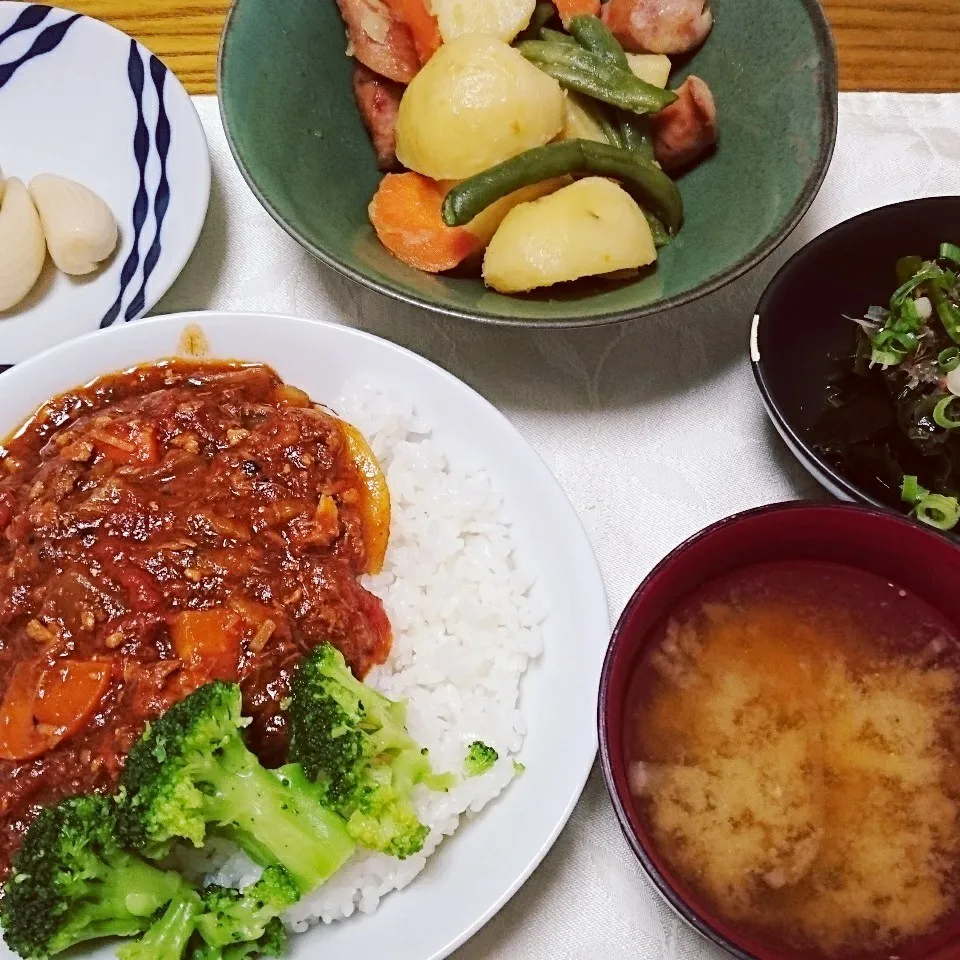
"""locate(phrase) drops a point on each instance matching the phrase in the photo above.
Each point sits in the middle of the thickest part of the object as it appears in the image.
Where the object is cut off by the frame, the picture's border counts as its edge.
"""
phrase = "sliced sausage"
(659, 26)
(379, 40)
(379, 103)
(686, 129)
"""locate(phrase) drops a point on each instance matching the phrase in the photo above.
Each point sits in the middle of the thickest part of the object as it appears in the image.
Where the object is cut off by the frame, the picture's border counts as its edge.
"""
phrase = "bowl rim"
(668, 894)
(838, 482)
(828, 107)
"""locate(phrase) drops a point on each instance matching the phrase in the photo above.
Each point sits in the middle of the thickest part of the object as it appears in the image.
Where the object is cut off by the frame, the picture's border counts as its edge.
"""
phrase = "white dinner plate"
(83, 100)
(477, 870)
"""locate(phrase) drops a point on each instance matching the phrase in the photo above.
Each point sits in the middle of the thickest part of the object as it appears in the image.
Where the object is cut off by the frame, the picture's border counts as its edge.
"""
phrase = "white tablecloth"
(654, 428)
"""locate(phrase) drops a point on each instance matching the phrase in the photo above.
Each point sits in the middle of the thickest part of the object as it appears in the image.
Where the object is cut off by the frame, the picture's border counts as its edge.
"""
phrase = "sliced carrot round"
(405, 212)
(568, 9)
(421, 24)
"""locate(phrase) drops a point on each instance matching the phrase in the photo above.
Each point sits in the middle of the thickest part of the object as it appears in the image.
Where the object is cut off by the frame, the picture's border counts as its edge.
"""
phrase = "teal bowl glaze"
(292, 124)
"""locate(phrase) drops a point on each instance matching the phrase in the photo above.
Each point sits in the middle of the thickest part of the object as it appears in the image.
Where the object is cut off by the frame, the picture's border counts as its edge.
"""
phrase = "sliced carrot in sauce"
(46, 704)
(127, 443)
(568, 9)
(421, 24)
(69, 691)
(208, 643)
(374, 498)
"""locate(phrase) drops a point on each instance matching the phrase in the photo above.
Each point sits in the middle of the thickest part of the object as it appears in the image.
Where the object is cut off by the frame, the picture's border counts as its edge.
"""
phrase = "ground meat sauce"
(160, 528)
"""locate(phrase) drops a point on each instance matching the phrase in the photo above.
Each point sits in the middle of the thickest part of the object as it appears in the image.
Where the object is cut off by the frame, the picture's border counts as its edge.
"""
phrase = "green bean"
(636, 135)
(644, 180)
(661, 236)
(555, 36)
(593, 34)
(600, 115)
(588, 73)
(543, 13)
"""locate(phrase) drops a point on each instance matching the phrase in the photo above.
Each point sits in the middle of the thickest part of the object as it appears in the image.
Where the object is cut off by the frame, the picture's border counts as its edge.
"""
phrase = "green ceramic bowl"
(293, 126)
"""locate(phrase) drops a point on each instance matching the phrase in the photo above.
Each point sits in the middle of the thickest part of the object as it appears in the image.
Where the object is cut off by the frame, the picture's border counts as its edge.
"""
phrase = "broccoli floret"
(71, 881)
(191, 773)
(480, 758)
(353, 743)
(233, 917)
(170, 935)
(273, 943)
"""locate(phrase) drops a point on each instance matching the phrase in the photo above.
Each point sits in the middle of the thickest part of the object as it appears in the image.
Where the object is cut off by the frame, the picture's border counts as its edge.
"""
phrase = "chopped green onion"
(938, 511)
(949, 359)
(930, 271)
(940, 415)
(907, 267)
(885, 358)
(911, 491)
(951, 252)
(947, 311)
(909, 312)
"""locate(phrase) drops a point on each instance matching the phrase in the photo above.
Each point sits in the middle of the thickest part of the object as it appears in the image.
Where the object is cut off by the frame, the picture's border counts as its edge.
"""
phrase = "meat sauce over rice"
(163, 527)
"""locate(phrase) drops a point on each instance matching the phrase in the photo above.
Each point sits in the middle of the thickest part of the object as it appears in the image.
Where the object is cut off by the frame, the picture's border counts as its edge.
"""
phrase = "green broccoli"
(170, 935)
(273, 943)
(480, 758)
(191, 773)
(71, 881)
(233, 918)
(353, 743)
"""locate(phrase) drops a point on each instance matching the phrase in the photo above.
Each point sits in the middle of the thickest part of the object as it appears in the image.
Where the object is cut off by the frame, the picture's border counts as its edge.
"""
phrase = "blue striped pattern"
(135, 274)
(45, 41)
(144, 204)
(161, 200)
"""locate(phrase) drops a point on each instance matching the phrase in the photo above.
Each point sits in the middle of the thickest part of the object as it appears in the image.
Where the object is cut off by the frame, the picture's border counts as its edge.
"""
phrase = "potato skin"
(476, 103)
(501, 18)
(590, 228)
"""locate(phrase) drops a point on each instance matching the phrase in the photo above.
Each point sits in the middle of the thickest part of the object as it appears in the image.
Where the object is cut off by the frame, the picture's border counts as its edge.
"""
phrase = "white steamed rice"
(464, 629)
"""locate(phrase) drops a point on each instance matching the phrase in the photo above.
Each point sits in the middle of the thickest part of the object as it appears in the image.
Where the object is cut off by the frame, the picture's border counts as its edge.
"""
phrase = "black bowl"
(800, 335)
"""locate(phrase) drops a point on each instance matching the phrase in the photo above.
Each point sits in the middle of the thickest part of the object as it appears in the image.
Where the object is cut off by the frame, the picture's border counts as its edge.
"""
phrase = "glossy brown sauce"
(794, 740)
(184, 486)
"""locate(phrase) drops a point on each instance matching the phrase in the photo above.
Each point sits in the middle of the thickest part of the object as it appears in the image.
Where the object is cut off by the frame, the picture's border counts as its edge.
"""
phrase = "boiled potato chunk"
(652, 67)
(476, 103)
(578, 124)
(485, 224)
(501, 18)
(590, 228)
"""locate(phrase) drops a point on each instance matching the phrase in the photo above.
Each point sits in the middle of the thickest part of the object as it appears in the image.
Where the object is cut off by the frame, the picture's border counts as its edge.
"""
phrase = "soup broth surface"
(794, 746)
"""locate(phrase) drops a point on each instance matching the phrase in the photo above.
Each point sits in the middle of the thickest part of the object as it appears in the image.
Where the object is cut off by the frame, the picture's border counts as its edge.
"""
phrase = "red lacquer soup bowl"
(904, 554)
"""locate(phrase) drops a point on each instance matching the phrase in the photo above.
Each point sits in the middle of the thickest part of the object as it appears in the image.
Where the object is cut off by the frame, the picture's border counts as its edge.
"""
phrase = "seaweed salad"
(894, 407)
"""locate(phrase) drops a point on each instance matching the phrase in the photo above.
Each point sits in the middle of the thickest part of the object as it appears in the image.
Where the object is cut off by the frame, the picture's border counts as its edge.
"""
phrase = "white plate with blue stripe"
(83, 100)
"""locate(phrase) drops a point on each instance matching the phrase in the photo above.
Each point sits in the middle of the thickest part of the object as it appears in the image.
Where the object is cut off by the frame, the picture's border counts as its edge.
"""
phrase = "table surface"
(903, 45)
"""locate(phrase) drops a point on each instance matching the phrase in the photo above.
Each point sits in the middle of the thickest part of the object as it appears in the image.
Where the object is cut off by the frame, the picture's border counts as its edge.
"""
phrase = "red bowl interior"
(915, 558)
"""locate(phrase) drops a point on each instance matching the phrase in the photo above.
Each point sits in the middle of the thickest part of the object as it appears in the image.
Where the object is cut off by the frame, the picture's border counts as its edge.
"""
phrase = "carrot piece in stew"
(208, 642)
(568, 9)
(421, 24)
(374, 498)
(46, 704)
(405, 212)
(69, 691)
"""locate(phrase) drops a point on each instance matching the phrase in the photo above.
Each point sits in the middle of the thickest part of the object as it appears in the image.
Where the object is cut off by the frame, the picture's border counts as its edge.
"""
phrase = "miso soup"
(794, 746)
